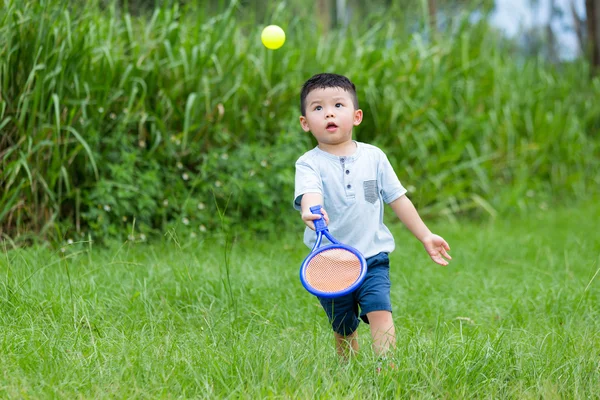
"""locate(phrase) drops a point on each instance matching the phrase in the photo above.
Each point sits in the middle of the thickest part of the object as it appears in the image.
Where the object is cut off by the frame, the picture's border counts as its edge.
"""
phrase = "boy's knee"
(342, 313)
(345, 325)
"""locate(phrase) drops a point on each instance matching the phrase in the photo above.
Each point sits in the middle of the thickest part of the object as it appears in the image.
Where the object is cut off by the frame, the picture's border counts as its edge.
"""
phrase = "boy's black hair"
(324, 81)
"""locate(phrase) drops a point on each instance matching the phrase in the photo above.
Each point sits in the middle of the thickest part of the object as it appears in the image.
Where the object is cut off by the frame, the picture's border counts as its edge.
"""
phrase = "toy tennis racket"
(332, 270)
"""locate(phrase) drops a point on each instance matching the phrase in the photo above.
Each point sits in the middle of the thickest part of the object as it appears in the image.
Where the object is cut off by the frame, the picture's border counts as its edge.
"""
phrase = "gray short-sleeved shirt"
(354, 190)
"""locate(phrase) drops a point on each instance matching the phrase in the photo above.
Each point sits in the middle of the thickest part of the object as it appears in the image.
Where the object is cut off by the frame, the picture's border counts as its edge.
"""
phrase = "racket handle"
(320, 224)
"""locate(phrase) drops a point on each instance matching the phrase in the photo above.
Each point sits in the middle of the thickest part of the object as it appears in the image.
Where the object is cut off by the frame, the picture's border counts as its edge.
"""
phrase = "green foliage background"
(115, 125)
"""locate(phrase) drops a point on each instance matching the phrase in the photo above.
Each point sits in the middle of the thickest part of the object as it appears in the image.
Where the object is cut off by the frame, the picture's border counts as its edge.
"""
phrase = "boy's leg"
(375, 303)
(346, 346)
(382, 331)
(343, 316)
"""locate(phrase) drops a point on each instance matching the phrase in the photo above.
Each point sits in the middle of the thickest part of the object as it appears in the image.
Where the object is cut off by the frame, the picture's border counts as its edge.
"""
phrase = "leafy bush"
(114, 125)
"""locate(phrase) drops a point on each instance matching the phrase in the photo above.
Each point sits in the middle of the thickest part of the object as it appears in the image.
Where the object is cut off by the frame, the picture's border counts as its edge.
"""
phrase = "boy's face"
(330, 116)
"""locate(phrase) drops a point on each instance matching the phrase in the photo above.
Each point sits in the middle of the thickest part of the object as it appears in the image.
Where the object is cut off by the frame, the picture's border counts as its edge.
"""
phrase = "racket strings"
(333, 270)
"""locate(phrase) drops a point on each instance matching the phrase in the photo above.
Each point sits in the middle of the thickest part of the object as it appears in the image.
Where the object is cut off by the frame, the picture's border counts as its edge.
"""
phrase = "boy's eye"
(318, 108)
(339, 105)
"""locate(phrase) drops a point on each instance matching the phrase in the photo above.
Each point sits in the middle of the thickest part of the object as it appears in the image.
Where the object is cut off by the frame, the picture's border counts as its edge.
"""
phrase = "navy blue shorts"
(372, 295)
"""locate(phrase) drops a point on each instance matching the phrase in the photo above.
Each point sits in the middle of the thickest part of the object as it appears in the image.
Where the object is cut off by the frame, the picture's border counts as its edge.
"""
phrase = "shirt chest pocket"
(370, 191)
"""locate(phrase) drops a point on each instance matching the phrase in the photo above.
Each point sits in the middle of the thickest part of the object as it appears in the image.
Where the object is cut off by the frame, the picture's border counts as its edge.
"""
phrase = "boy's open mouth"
(331, 126)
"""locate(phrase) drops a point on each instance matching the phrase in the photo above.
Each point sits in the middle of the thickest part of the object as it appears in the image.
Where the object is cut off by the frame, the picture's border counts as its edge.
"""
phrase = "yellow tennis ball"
(273, 37)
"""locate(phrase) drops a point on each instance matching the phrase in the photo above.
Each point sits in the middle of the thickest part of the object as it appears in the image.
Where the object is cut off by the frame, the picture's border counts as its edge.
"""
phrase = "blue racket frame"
(321, 230)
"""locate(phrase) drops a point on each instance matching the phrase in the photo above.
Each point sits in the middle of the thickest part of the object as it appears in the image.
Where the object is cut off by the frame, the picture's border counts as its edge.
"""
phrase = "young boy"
(352, 180)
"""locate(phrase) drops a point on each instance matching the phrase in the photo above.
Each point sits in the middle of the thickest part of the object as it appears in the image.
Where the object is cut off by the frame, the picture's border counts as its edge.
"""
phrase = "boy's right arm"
(309, 200)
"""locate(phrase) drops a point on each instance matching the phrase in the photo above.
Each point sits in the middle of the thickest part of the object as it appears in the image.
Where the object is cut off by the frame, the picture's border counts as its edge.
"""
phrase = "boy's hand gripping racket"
(334, 269)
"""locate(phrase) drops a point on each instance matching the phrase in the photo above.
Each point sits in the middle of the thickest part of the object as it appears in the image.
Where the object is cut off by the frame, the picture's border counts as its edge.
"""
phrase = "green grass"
(515, 316)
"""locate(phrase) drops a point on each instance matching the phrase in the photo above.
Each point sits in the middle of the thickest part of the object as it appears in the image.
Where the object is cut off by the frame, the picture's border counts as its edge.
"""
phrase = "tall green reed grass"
(119, 125)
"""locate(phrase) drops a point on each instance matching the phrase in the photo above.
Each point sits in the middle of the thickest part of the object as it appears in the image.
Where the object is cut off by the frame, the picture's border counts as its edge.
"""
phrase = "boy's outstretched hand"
(309, 217)
(437, 248)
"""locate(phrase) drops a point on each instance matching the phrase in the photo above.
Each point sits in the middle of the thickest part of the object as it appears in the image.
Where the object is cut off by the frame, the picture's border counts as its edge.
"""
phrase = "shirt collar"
(349, 158)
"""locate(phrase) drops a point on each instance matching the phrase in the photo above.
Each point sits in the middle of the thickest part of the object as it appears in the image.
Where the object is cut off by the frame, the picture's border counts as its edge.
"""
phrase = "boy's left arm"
(435, 245)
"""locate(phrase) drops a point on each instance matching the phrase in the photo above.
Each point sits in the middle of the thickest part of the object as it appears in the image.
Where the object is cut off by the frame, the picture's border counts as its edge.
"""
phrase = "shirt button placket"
(347, 184)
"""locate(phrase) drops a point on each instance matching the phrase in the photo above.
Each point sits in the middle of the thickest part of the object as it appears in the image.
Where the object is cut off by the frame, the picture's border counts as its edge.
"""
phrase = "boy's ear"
(358, 116)
(304, 123)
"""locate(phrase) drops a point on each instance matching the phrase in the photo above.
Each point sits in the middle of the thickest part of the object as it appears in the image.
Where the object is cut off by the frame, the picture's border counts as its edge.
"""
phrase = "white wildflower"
(224, 156)
(201, 206)
(465, 319)
(263, 163)
(165, 203)
(202, 228)
(185, 176)
(218, 184)
(185, 221)
(142, 237)
(106, 208)
(179, 165)
(70, 241)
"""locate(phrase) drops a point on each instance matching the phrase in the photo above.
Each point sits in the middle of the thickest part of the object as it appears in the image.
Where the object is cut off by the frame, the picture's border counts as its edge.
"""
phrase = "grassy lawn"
(516, 315)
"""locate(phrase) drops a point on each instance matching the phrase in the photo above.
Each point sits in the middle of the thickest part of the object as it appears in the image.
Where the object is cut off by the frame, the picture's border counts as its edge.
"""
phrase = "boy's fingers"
(445, 254)
(439, 260)
(311, 217)
(325, 216)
